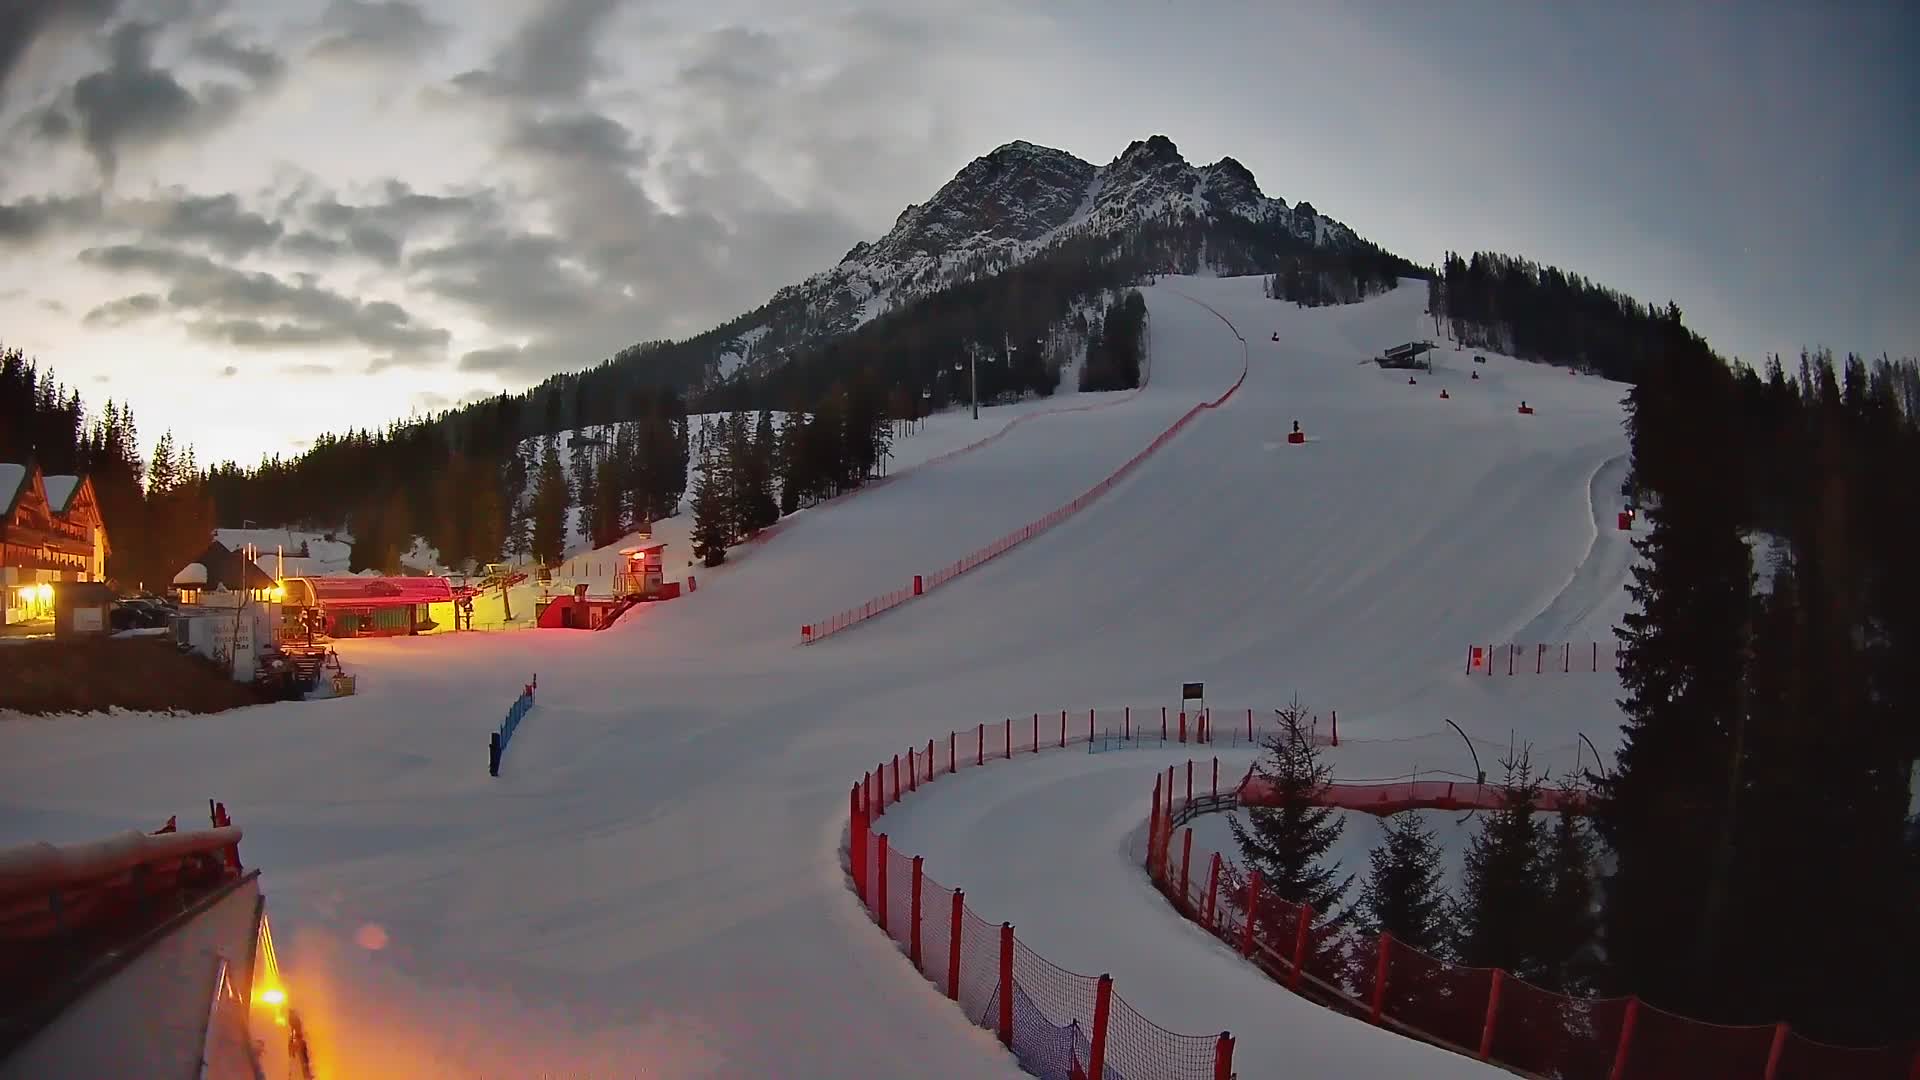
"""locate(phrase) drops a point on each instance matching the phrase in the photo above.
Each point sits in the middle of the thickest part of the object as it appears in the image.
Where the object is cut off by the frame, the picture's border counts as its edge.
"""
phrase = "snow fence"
(1484, 1013)
(497, 742)
(1057, 1023)
(1549, 658)
(924, 583)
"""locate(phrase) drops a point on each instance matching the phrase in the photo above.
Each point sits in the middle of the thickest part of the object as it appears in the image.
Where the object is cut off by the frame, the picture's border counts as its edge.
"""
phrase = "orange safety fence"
(1479, 1012)
(815, 631)
(1057, 1023)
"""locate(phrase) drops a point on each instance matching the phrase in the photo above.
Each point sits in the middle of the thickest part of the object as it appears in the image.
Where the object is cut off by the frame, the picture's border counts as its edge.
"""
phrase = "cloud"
(22, 24)
(302, 370)
(218, 221)
(504, 358)
(124, 310)
(229, 371)
(380, 229)
(261, 65)
(131, 103)
(393, 30)
(26, 221)
(312, 245)
(257, 310)
(552, 57)
(54, 306)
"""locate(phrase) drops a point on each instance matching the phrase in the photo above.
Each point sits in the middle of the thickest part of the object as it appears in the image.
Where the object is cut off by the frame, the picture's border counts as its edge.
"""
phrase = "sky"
(258, 221)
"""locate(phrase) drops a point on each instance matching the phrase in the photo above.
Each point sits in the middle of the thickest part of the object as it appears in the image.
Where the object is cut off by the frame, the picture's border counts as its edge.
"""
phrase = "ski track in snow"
(653, 883)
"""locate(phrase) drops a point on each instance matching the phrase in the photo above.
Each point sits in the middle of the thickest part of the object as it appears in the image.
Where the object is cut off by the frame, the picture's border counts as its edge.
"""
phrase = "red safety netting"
(1051, 1018)
(1554, 1035)
(1528, 1028)
(1445, 1001)
(1806, 1059)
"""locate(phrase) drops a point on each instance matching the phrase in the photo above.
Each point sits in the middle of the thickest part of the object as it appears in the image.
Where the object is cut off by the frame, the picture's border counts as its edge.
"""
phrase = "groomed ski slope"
(652, 886)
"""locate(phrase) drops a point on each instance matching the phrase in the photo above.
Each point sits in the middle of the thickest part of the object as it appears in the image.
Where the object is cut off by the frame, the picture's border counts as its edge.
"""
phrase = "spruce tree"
(586, 478)
(1287, 841)
(712, 527)
(1503, 889)
(551, 500)
(1567, 938)
(1404, 894)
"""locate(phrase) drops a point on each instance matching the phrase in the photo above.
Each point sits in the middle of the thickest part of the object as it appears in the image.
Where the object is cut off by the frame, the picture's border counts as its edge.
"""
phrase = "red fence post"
(1493, 1012)
(931, 767)
(1102, 1006)
(1006, 984)
(953, 760)
(1186, 858)
(1223, 1057)
(1621, 1051)
(880, 895)
(1183, 725)
(1009, 737)
(1126, 724)
(913, 772)
(1775, 1051)
(1301, 934)
(1213, 890)
(880, 789)
(980, 753)
(896, 778)
(1253, 903)
(913, 933)
(918, 588)
(1380, 975)
(953, 944)
(857, 845)
(1153, 823)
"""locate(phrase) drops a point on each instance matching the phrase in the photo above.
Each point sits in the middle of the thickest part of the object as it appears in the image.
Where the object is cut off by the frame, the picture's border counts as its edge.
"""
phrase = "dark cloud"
(576, 135)
(312, 245)
(552, 57)
(256, 63)
(218, 221)
(393, 30)
(506, 358)
(54, 306)
(132, 103)
(124, 310)
(28, 220)
(22, 22)
(523, 280)
(251, 309)
(379, 229)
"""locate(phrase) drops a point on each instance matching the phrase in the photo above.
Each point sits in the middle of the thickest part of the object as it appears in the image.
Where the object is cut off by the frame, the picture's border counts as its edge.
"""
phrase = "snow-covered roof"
(12, 476)
(60, 491)
(191, 574)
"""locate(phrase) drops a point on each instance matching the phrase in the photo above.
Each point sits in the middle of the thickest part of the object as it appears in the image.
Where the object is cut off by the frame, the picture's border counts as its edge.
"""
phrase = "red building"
(50, 532)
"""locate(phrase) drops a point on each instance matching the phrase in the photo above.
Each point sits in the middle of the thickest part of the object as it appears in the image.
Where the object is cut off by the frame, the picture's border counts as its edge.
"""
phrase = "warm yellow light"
(278, 594)
(46, 593)
(273, 995)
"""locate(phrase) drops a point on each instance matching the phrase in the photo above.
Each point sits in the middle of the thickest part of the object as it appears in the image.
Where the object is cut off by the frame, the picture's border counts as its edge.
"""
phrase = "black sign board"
(1192, 690)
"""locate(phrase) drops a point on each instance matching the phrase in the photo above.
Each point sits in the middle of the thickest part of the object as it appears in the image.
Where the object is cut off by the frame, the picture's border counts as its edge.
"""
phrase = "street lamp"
(1480, 774)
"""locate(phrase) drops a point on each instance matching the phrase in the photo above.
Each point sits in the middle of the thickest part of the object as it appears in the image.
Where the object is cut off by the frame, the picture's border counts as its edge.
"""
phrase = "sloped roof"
(226, 567)
(60, 491)
(13, 479)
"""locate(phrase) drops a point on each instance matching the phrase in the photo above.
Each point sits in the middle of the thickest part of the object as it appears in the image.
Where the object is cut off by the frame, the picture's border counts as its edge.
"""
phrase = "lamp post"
(1480, 774)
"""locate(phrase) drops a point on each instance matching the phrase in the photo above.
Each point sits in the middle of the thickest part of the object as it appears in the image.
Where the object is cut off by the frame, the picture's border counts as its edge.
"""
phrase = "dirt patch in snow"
(96, 674)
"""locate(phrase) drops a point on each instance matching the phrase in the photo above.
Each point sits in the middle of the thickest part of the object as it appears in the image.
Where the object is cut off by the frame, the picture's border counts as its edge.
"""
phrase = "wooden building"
(50, 532)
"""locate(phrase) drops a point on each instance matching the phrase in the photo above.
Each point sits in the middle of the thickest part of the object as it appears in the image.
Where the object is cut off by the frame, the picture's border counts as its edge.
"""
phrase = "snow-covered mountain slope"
(655, 876)
(1007, 207)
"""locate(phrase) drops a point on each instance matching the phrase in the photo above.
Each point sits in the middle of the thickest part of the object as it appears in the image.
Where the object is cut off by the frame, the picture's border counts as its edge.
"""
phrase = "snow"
(653, 883)
(191, 574)
(11, 477)
(59, 489)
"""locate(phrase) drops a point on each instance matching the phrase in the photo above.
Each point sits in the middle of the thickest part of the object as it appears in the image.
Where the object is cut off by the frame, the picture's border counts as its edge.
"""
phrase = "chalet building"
(50, 532)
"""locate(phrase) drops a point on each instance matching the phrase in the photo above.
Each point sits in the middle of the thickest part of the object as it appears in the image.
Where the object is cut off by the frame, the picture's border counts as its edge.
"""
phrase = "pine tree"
(1503, 888)
(712, 528)
(791, 462)
(1288, 841)
(1567, 941)
(551, 500)
(586, 474)
(1404, 894)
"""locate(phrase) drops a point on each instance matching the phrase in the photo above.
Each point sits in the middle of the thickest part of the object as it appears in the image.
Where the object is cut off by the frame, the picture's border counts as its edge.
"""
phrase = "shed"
(82, 608)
